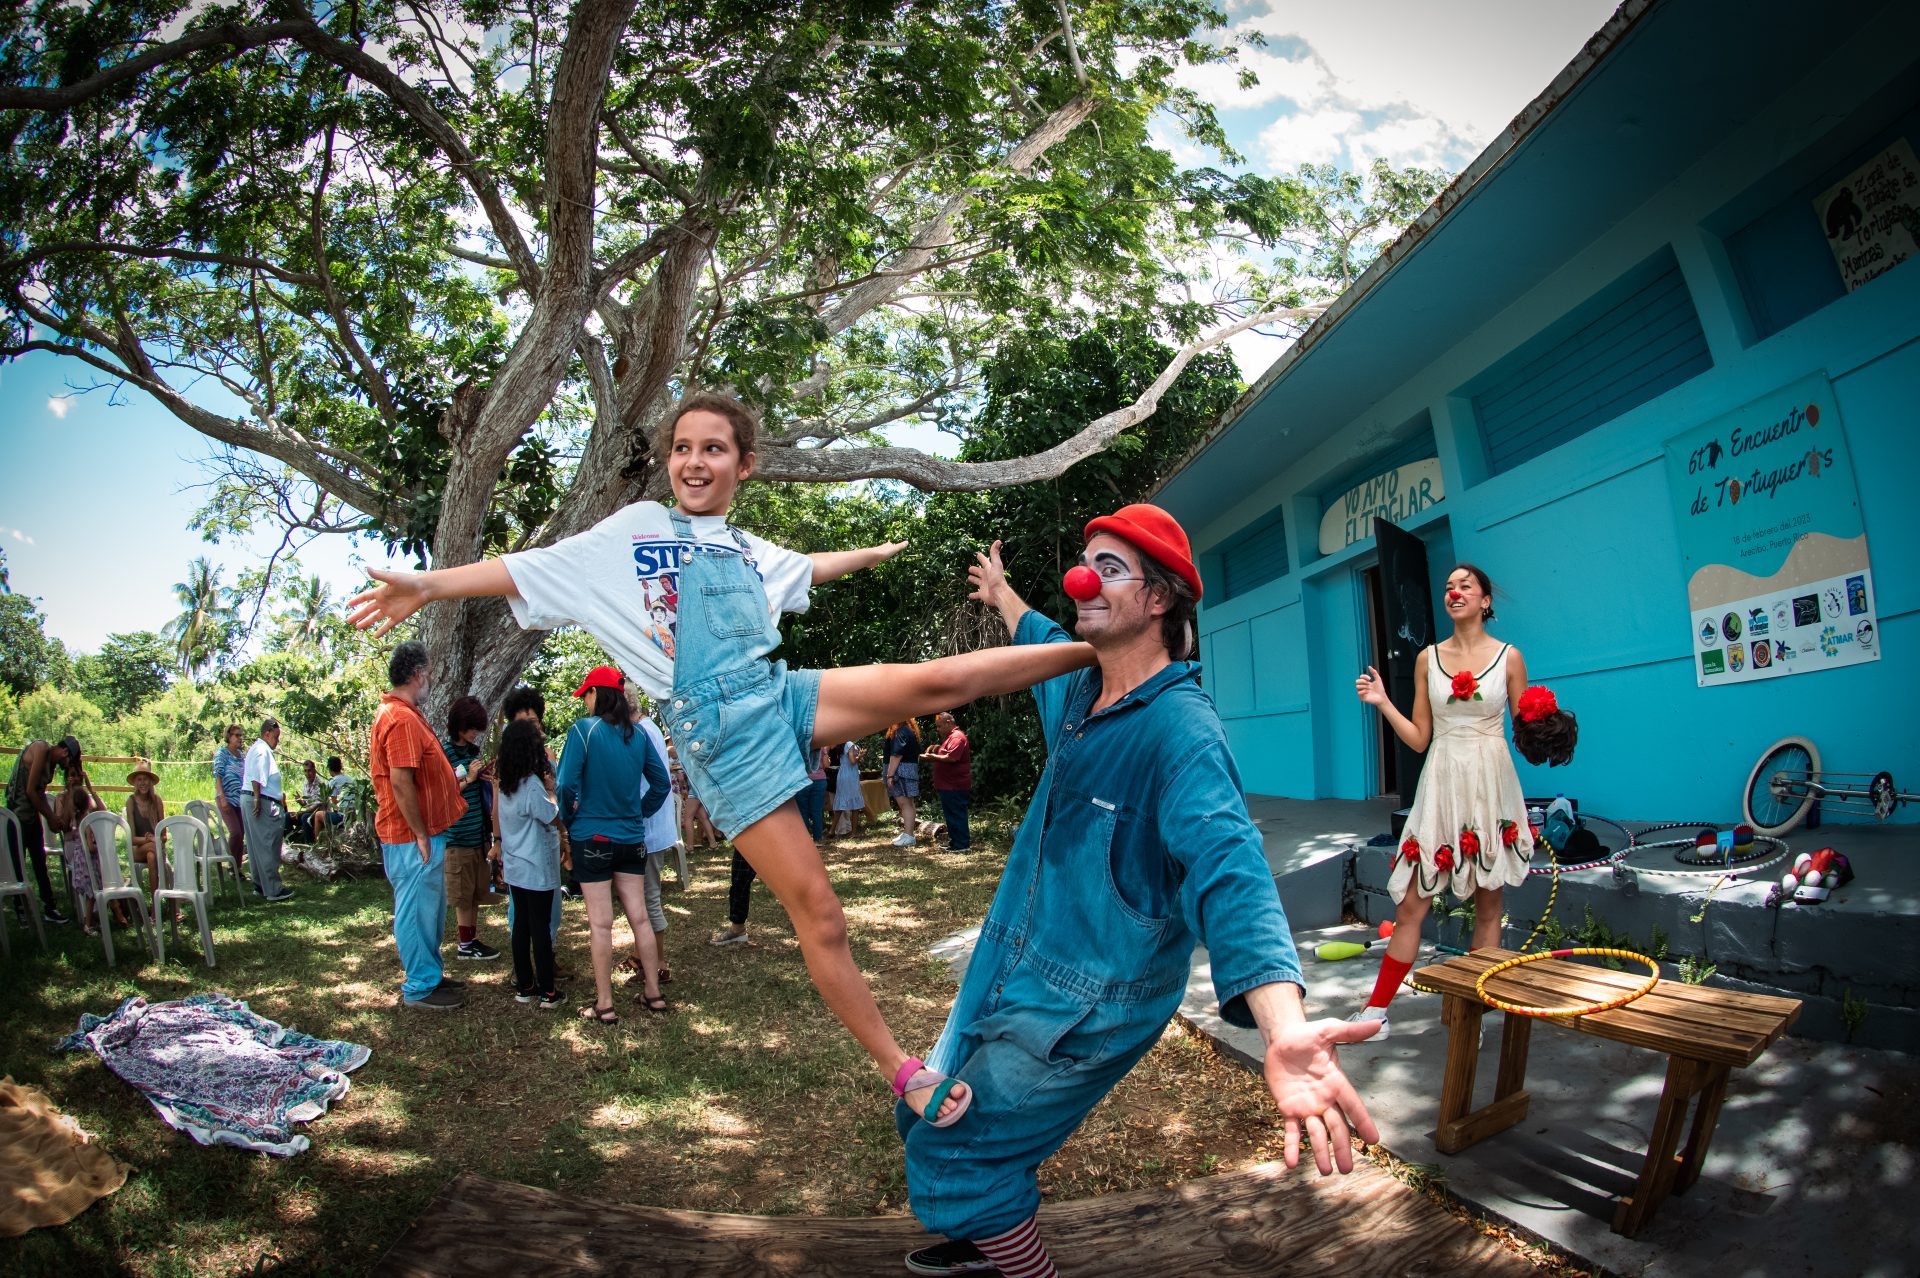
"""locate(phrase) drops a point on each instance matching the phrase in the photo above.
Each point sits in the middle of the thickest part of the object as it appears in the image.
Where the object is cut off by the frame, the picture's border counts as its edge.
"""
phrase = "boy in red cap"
(1136, 844)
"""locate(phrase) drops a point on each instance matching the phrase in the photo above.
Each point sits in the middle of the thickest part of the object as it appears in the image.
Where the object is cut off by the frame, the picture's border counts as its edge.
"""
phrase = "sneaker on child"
(476, 949)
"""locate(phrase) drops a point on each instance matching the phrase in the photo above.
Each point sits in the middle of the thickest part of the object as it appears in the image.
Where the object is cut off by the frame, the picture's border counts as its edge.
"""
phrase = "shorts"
(468, 876)
(744, 739)
(598, 860)
(905, 782)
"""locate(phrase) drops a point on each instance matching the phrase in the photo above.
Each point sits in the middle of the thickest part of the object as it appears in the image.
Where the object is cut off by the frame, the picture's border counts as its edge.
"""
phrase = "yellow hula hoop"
(1553, 890)
(1480, 986)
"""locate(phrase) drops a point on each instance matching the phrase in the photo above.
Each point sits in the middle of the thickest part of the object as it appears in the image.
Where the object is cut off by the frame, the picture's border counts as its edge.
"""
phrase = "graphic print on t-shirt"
(656, 566)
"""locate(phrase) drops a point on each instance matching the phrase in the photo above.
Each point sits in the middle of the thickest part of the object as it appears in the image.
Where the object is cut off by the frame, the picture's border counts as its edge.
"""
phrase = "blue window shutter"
(1635, 340)
(1255, 557)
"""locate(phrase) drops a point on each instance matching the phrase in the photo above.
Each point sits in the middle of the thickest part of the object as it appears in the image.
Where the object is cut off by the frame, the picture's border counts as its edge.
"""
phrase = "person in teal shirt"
(610, 781)
(1137, 844)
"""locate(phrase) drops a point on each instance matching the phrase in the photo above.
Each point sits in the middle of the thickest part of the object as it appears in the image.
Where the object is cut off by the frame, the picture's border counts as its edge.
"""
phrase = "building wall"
(1582, 539)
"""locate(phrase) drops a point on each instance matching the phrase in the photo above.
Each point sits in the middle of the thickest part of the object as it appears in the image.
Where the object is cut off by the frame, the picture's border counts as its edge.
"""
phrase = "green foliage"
(206, 631)
(1657, 944)
(1853, 1012)
(127, 672)
(1695, 970)
(29, 657)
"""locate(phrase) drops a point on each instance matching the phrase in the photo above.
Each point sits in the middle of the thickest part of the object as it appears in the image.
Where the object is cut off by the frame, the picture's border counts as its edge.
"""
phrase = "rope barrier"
(1587, 1009)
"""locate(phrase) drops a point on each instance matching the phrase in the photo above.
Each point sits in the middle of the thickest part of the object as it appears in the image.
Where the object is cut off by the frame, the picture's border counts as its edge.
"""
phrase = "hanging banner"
(1872, 214)
(1395, 496)
(1778, 581)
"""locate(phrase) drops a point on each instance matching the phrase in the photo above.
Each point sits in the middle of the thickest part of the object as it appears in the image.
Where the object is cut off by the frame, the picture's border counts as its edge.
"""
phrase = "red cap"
(1157, 534)
(600, 677)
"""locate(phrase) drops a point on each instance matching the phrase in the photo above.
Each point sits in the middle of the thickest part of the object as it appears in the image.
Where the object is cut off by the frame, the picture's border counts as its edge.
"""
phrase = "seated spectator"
(143, 812)
(83, 871)
(313, 802)
(341, 798)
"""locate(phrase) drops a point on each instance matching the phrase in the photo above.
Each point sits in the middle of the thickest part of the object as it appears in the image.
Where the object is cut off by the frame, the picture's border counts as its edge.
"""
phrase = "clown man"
(1137, 844)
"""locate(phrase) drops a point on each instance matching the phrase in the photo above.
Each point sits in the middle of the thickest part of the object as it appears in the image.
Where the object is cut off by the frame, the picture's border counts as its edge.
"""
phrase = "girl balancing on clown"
(743, 726)
(1467, 830)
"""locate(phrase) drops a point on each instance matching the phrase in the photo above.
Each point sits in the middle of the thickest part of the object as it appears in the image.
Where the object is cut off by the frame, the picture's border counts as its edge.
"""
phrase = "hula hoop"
(1611, 858)
(1516, 1009)
(1712, 869)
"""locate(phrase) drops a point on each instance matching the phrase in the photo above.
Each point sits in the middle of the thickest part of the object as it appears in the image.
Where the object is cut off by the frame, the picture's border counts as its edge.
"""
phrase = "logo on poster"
(1856, 596)
(1730, 625)
(1832, 600)
(1736, 659)
(1707, 633)
(1712, 662)
(1782, 650)
(1863, 635)
(1762, 654)
(1756, 621)
(1782, 614)
(1806, 610)
(1832, 640)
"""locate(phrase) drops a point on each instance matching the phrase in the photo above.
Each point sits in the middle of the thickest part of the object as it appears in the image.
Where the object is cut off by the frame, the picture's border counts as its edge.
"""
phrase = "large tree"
(434, 269)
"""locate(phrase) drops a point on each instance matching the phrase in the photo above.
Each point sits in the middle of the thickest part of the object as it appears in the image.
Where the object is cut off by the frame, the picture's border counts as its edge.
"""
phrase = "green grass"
(747, 1097)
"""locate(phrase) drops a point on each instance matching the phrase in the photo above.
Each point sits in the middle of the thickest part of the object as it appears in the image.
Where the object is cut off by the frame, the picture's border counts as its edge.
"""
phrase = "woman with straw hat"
(144, 811)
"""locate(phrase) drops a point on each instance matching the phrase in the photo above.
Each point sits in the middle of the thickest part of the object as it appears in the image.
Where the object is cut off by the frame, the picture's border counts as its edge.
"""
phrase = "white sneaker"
(904, 841)
(1373, 1014)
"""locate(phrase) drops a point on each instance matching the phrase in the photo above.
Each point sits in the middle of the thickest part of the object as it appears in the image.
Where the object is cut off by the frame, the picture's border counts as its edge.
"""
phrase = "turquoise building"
(1652, 361)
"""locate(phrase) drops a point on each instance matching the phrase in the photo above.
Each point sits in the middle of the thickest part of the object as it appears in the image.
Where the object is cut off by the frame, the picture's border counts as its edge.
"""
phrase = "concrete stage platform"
(1863, 944)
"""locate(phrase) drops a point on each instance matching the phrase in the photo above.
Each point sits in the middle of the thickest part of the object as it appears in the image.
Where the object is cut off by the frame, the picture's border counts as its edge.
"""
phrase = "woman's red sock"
(1392, 972)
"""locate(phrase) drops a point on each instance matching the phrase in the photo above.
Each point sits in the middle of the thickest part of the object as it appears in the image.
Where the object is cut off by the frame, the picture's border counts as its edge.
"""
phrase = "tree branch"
(233, 38)
(41, 252)
(929, 473)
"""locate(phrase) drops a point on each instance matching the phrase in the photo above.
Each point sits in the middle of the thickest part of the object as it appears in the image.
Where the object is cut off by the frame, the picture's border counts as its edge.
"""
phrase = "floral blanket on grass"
(217, 1071)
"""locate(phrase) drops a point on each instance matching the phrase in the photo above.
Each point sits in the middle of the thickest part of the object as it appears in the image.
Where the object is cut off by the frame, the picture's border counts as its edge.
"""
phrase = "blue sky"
(97, 490)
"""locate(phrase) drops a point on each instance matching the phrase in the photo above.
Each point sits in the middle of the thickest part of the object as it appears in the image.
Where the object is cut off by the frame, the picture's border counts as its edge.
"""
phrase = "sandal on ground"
(655, 1004)
(604, 1015)
(913, 1075)
(635, 976)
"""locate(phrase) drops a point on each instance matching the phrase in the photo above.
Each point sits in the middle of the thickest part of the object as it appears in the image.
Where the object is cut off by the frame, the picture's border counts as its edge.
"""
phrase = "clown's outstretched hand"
(1305, 1080)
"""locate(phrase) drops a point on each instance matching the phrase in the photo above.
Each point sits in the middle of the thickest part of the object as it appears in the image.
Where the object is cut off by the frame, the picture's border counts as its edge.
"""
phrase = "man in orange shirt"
(419, 797)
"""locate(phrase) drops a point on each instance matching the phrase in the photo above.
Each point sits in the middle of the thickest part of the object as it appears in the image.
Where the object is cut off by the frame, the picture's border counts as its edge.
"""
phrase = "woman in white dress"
(1467, 830)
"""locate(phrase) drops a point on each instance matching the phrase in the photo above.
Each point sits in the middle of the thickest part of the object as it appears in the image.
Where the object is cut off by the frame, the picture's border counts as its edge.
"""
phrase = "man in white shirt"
(264, 812)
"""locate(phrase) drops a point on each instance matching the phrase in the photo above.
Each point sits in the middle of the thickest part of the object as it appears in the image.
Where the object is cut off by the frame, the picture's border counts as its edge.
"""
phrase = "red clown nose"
(1082, 583)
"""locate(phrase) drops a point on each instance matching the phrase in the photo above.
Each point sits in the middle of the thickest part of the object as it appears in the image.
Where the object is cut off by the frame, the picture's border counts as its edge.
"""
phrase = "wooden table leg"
(1684, 1078)
(1705, 1115)
(1516, 1037)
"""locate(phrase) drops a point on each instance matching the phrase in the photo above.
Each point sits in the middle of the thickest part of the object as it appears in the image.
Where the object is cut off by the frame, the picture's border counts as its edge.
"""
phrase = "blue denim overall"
(743, 725)
(1136, 844)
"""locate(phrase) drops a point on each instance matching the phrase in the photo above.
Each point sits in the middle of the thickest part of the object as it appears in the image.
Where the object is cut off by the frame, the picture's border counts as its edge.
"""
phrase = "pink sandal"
(913, 1074)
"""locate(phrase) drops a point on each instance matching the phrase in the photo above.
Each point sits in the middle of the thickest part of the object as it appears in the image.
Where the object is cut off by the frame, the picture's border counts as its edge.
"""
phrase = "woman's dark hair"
(1549, 740)
(523, 754)
(72, 765)
(524, 697)
(466, 712)
(745, 422)
(833, 756)
(1176, 623)
(1486, 584)
(611, 704)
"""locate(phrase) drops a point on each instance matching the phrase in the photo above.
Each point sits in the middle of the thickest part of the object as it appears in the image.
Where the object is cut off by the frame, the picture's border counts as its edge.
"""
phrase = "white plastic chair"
(188, 878)
(14, 883)
(110, 835)
(215, 862)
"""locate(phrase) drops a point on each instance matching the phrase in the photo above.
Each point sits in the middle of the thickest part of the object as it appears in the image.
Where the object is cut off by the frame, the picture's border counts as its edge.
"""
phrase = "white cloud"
(1304, 78)
(21, 537)
(59, 406)
(1317, 136)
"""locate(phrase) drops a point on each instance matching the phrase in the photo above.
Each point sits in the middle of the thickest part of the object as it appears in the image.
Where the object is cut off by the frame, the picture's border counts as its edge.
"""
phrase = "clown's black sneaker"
(956, 1256)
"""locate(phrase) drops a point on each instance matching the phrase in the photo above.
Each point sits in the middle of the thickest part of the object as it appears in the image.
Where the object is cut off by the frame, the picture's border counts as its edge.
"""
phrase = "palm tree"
(309, 604)
(199, 633)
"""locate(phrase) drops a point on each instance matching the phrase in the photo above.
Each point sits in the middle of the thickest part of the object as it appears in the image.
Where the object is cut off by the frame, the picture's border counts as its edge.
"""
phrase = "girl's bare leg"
(1404, 945)
(599, 898)
(633, 899)
(909, 811)
(782, 853)
(858, 701)
(1487, 903)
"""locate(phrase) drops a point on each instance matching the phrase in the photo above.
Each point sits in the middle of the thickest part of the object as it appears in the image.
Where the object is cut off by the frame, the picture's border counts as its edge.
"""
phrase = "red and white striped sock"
(1019, 1253)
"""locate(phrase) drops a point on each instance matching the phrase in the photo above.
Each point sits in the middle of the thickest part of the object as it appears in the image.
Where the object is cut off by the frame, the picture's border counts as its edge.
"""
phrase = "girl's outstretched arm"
(401, 594)
(830, 564)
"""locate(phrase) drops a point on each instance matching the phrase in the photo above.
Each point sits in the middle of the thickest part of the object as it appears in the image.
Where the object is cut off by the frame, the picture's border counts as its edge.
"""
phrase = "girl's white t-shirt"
(620, 581)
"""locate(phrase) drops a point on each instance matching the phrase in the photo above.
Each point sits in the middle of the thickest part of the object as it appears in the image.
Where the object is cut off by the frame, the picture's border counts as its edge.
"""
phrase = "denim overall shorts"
(743, 725)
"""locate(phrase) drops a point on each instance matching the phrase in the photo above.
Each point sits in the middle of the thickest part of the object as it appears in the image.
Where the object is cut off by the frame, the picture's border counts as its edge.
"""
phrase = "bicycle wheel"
(1773, 803)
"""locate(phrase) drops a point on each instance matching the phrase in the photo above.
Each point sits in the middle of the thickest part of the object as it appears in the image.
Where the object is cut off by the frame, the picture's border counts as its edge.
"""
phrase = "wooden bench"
(1704, 1033)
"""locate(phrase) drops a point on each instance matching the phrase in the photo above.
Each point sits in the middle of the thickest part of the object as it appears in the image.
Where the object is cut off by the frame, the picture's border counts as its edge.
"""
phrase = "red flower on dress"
(1443, 858)
(1469, 841)
(1465, 688)
(1410, 849)
(1509, 834)
(1537, 703)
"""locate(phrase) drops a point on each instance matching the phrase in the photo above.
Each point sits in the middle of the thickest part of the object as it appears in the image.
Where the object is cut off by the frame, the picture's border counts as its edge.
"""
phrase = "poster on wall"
(1778, 581)
(1870, 215)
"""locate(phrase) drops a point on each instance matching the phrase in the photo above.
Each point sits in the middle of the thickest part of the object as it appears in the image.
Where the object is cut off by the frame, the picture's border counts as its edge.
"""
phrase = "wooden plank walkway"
(1258, 1221)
